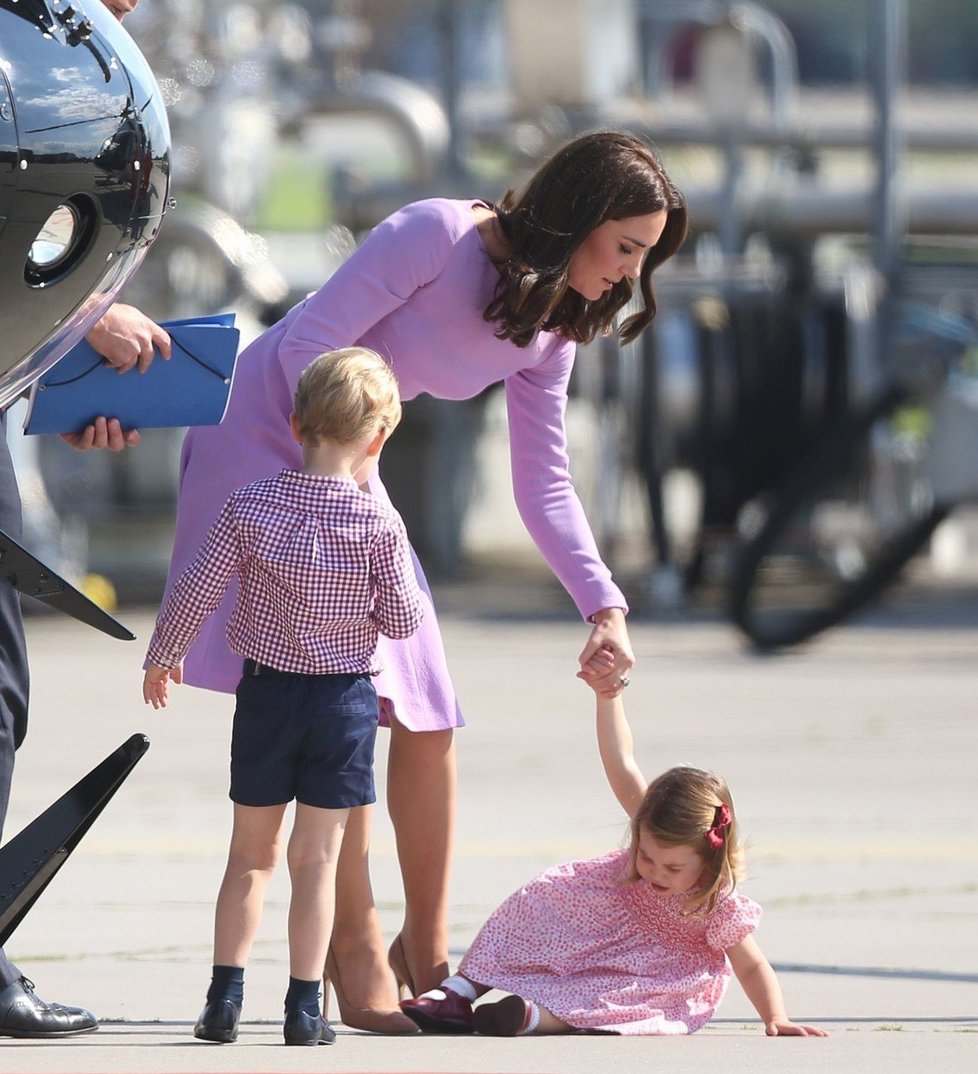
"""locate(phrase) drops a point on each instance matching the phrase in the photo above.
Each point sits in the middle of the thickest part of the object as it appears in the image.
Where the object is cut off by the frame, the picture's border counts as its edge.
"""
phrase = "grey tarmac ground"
(852, 764)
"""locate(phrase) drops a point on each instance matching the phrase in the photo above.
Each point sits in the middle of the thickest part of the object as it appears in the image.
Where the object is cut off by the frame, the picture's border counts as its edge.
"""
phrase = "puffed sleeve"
(536, 402)
(400, 255)
(734, 918)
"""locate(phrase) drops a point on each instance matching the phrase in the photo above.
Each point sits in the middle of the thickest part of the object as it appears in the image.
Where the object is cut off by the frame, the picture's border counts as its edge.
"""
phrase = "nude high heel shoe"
(407, 984)
(398, 963)
(372, 1019)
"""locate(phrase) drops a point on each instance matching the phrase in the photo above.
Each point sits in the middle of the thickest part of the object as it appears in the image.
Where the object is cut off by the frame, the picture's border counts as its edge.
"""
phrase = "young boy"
(322, 568)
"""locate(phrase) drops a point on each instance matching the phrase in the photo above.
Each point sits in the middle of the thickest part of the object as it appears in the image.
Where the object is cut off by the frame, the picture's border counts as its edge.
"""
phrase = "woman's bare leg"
(421, 782)
(358, 943)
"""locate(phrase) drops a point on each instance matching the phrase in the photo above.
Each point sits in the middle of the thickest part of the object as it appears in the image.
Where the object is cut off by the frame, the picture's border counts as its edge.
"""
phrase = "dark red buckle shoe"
(453, 1014)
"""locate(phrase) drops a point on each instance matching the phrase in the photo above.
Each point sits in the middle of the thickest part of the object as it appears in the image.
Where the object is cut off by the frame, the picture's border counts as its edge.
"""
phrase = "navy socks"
(302, 996)
(227, 982)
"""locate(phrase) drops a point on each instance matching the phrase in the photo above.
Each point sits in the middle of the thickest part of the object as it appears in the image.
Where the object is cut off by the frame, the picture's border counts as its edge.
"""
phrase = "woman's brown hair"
(607, 175)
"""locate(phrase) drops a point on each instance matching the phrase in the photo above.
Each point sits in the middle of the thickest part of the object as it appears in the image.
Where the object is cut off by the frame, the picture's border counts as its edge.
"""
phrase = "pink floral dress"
(603, 955)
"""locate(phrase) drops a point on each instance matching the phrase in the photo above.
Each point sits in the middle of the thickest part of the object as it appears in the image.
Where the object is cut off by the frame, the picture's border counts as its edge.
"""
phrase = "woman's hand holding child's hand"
(155, 684)
(609, 633)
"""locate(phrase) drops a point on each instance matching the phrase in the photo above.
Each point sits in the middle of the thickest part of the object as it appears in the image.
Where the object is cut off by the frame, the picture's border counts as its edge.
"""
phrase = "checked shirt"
(321, 567)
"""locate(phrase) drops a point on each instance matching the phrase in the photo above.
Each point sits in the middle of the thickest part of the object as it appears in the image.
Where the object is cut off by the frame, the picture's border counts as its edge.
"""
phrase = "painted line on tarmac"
(770, 852)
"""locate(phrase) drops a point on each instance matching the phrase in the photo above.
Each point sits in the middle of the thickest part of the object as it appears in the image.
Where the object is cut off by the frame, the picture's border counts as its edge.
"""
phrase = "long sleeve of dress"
(536, 401)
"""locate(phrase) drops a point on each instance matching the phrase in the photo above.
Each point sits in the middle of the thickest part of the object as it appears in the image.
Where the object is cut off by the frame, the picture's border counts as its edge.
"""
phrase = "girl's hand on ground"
(792, 1029)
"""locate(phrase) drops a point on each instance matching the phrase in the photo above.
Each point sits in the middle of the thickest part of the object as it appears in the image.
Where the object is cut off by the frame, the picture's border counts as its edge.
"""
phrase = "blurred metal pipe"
(812, 211)
(757, 20)
(751, 18)
(888, 30)
(932, 137)
(413, 112)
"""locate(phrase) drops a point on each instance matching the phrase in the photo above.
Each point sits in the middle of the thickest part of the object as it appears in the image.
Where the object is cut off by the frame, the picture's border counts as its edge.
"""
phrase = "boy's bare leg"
(252, 856)
(313, 852)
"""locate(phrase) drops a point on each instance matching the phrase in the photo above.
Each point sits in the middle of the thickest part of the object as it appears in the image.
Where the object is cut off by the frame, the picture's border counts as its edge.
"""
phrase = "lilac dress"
(414, 291)
(608, 956)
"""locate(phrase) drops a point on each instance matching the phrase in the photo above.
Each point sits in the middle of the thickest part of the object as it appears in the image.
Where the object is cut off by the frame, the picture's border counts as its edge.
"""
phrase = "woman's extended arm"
(536, 400)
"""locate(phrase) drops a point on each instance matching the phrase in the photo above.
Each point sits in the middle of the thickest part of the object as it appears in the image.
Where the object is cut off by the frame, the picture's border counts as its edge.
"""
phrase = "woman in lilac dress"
(456, 295)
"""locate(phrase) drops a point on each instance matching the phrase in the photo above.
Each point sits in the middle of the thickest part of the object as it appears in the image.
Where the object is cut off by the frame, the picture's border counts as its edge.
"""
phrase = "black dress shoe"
(218, 1021)
(23, 1014)
(303, 1028)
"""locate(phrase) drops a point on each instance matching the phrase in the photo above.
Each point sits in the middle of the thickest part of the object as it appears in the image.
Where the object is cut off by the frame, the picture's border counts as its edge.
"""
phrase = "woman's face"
(613, 250)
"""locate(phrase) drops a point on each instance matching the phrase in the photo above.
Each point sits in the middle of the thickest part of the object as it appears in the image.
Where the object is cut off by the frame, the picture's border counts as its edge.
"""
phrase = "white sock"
(533, 1018)
(461, 987)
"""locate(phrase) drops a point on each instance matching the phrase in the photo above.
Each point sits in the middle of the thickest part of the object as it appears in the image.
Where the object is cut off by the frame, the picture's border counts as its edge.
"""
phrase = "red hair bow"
(721, 820)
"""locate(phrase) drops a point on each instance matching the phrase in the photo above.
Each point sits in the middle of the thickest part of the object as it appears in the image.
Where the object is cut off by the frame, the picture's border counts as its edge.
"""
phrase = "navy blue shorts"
(307, 737)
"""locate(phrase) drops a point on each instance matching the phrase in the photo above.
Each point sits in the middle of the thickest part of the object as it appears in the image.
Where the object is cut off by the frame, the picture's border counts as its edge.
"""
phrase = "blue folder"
(192, 388)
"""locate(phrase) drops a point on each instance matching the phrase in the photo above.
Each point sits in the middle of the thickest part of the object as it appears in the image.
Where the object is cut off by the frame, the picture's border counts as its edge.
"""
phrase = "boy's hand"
(792, 1029)
(155, 684)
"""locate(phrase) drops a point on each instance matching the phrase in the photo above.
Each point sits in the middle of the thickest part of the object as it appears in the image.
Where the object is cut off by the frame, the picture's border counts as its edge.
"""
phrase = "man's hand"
(125, 338)
(102, 433)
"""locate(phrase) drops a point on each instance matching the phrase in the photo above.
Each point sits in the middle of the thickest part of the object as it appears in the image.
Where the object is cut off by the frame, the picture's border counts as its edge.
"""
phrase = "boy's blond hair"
(343, 394)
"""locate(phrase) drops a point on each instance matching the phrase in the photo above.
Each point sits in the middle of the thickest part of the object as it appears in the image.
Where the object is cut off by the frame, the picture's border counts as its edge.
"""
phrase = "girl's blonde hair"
(343, 394)
(689, 807)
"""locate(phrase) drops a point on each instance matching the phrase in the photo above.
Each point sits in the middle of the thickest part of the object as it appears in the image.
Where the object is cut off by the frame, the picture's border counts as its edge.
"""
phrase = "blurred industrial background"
(800, 424)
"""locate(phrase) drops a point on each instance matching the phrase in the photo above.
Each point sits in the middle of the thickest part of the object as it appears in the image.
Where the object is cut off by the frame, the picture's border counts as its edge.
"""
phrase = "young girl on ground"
(638, 941)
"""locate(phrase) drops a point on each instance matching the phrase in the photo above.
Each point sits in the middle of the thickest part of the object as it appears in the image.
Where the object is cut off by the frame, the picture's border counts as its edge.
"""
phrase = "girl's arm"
(615, 746)
(760, 983)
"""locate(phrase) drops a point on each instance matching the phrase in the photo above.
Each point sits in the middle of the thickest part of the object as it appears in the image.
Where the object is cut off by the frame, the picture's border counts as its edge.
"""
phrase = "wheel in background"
(840, 530)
